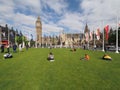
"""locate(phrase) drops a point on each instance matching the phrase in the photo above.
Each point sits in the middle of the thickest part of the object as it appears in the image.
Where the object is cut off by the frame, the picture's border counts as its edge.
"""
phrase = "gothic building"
(86, 34)
(70, 39)
(38, 25)
(65, 39)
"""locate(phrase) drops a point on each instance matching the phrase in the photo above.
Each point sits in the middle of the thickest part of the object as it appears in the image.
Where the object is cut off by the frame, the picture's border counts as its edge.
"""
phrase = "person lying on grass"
(86, 57)
(7, 55)
(106, 57)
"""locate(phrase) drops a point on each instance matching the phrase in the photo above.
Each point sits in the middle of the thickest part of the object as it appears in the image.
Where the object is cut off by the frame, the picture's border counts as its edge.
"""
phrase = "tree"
(112, 36)
(19, 39)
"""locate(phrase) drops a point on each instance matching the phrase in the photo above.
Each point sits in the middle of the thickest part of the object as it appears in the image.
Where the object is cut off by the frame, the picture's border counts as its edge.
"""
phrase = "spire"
(38, 19)
(86, 28)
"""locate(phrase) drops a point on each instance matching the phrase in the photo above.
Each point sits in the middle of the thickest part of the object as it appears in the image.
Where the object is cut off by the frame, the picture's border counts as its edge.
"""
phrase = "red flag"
(106, 31)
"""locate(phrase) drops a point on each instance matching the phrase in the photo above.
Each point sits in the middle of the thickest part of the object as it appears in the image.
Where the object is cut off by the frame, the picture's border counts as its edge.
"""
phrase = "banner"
(106, 32)
(98, 34)
(3, 34)
(91, 36)
(86, 36)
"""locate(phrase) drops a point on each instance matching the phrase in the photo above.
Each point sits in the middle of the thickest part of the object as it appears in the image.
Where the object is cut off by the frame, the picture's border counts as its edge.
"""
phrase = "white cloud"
(51, 28)
(23, 19)
(6, 11)
(97, 10)
(29, 5)
(73, 21)
(18, 20)
(23, 14)
(57, 5)
(6, 7)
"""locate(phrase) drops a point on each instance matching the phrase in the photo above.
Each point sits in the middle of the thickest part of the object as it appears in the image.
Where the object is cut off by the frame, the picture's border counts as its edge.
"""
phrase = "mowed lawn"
(30, 70)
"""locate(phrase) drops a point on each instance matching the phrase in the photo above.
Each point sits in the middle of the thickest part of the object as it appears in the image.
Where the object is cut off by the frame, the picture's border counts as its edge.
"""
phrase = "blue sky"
(58, 15)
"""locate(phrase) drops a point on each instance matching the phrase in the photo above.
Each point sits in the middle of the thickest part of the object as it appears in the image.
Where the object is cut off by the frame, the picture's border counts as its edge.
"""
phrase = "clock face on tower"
(37, 24)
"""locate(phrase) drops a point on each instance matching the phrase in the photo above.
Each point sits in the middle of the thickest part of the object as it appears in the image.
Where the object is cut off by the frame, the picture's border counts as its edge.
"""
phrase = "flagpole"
(15, 37)
(117, 37)
(8, 37)
(60, 33)
(103, 39)
(94, 37)
(36, 42)
(0, 35)
(88, 38)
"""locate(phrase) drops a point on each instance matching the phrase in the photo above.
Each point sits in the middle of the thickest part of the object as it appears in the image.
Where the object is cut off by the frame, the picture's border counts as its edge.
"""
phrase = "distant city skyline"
(58, 15)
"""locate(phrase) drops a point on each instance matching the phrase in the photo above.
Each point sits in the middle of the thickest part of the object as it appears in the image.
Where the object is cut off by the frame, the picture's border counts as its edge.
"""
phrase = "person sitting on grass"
(73, 49)
(86, 57)
(106, 57)
(50, 57)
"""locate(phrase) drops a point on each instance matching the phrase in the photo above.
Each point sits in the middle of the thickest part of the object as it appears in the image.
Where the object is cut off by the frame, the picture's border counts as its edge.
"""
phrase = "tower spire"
(86, 28)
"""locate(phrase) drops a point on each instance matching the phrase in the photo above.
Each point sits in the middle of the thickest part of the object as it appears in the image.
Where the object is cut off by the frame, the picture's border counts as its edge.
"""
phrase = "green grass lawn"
(30, 70)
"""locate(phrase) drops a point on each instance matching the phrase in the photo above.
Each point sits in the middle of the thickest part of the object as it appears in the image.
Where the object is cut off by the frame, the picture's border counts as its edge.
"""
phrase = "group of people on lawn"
(8, 48)
(50, 55)
(14, 47)
(86, 56)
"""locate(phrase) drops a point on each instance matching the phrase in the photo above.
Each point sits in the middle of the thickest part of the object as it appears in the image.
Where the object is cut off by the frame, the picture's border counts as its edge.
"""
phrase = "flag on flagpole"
(98, 34)
(91, 36)
(3, 34)
(86, 36)
(119, 24)
(106, 31)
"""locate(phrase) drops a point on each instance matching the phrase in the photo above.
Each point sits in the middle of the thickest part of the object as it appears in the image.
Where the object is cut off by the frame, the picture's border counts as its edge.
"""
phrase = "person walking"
(27, 46)
(20, 47)
(14, 47)
(2, 48)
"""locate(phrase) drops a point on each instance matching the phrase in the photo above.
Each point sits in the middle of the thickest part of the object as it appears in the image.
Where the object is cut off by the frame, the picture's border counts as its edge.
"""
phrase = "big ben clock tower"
(38, 31)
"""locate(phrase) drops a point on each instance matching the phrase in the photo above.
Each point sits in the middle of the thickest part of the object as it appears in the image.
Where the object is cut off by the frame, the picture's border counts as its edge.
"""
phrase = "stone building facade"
(71, 39)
